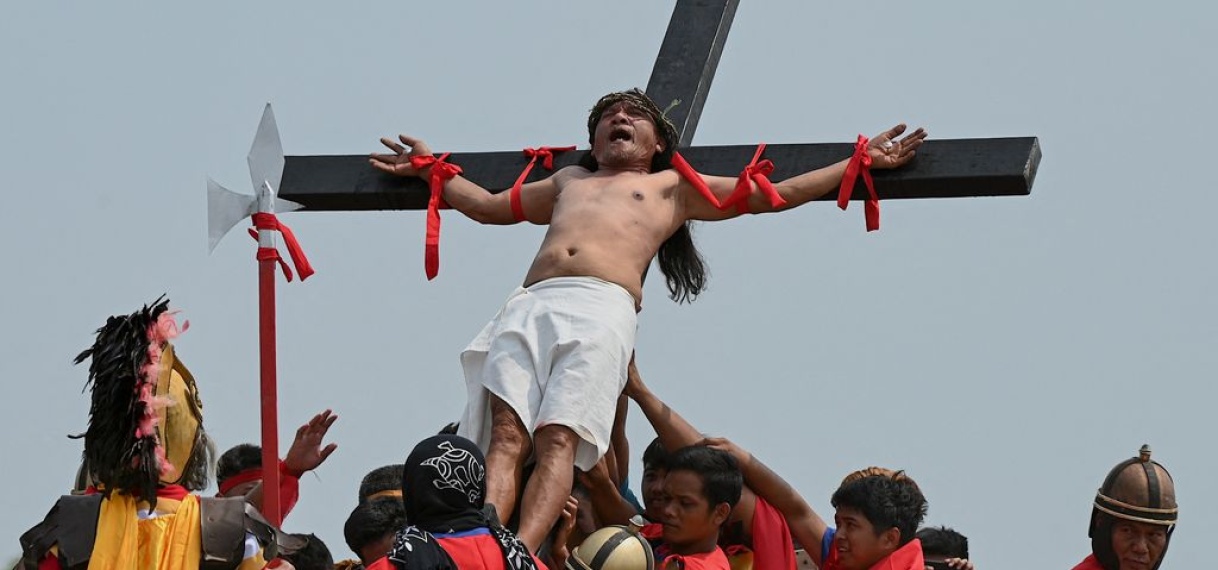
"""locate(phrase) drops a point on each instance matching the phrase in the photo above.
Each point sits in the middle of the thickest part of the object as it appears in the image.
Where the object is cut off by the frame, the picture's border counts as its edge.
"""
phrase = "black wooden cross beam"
(683, 72)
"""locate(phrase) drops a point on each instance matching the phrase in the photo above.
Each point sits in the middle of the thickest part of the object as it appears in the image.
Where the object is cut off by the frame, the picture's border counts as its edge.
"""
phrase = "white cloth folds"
(556, 353)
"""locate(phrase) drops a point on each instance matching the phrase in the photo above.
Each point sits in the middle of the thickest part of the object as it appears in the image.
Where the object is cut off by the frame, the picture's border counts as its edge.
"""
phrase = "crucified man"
(544, 375)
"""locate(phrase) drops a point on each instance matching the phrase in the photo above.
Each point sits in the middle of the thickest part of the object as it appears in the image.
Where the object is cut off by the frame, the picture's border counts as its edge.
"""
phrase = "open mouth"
(620, 134)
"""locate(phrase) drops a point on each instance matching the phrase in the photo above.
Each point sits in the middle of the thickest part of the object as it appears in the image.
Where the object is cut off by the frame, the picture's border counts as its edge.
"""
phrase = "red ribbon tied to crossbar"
(860, 162)
(268, 221)
(441, 172)
(546, 154)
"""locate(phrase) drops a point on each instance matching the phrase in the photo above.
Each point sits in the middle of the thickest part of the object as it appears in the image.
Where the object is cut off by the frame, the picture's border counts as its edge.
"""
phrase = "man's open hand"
(307, 453)
(398, 163)
(889, 151)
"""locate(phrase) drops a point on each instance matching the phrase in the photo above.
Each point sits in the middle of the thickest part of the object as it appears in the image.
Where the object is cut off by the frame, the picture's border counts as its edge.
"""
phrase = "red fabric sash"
(860, 163)
(754, 173)
(546, 153)
(268, 221)
(1089, 563)
(441, 172)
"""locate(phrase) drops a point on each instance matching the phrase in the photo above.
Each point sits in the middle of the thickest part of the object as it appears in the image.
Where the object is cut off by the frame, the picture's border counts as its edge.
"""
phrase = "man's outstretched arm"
(806, 526)
(887, 150)
(676, 432)
(476, 202)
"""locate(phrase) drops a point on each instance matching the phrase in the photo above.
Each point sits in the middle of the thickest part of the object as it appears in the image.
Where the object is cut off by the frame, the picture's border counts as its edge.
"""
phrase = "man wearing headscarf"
(145, 452)
(448, 526)
(1133, 516)
(544, 375)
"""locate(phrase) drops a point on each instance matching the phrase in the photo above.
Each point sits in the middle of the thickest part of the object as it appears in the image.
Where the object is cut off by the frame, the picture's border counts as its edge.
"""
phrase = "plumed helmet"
(614, 548)
(145, 418)
(1138, 490)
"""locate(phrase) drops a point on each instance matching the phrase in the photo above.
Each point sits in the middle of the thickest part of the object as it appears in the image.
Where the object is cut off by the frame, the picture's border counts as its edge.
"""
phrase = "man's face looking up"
(624, 136)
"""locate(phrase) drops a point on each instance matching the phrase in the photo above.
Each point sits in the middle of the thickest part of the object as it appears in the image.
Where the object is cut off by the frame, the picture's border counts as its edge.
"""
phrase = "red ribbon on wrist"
(440, 173)
(546, 153)
(268, 221)
(860, 162)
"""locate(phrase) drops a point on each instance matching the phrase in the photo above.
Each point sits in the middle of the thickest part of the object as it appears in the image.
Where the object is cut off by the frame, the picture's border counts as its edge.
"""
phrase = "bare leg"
(509, 448)
(549, 486)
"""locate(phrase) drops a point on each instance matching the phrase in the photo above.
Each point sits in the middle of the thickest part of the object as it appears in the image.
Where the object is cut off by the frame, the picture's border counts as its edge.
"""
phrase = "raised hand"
(562, 532)
(398, 163)
(723, 444)
(889, 151)
(598, 476)
(634, 381)
(307, 453)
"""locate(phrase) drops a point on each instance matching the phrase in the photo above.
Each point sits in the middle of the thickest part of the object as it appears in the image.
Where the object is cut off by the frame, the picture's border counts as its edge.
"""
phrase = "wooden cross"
(683, 71)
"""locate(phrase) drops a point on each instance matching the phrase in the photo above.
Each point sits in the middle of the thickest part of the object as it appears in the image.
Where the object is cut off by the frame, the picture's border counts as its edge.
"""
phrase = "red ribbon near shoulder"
(441, 172)
(546, 153)
(756, 171)
(690, 175)
(268, 221)
(860, 162)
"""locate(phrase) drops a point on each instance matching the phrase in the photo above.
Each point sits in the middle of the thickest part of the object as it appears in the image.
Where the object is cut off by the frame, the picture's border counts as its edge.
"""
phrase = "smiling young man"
(544, 375)
(877, 520)
(878, 511)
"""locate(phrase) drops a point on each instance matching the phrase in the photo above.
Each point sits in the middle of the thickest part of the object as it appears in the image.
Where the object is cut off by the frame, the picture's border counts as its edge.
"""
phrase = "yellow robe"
(169, 538)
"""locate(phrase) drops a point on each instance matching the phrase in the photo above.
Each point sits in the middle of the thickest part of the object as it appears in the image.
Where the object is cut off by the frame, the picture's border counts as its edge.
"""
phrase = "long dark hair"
(682, 265)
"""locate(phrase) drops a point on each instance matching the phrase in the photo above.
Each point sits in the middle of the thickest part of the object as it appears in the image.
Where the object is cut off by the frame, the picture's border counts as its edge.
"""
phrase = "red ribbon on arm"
(546, 153)
(860, 162)
(759, 173)
(441, 172)
(690, 175)
(268, 221)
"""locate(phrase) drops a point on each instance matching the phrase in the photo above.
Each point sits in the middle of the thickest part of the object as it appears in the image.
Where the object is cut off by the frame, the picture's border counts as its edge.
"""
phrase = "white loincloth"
(556, 353)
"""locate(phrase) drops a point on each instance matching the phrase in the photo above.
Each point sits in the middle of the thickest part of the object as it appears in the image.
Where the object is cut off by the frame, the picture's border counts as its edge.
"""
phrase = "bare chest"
(633, 195)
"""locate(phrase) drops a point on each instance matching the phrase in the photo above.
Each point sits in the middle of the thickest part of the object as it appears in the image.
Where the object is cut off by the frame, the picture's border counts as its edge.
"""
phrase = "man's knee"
(507, 431)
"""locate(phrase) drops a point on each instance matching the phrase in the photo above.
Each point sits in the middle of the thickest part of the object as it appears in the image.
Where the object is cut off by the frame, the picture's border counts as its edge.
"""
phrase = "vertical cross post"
(688, 59)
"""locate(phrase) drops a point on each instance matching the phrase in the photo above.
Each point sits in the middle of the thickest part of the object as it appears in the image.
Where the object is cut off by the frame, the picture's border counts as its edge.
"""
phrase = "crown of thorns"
(639, 100)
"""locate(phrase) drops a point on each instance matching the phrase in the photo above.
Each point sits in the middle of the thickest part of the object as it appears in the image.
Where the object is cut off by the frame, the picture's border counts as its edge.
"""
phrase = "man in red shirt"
(700, 489)
(877, 516)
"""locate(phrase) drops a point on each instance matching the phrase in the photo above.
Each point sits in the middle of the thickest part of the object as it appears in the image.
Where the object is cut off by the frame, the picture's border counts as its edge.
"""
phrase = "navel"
(637, 195)
(571, 251)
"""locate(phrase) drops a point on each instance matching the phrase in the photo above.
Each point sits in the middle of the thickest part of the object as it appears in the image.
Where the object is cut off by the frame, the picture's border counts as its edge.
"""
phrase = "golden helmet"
(614, 548)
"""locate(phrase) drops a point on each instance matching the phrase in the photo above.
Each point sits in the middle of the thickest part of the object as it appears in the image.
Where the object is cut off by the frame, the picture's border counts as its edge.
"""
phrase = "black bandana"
(444, 492)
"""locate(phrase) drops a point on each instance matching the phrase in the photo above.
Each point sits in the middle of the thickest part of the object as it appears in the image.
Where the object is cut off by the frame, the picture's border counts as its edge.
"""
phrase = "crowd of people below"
(704, 503)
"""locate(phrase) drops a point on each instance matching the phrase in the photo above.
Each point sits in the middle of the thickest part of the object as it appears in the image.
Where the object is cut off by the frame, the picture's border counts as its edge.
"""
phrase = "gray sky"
(1005, 351)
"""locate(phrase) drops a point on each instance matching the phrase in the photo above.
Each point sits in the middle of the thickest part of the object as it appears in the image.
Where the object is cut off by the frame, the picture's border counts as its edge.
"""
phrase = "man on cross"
(544, 376)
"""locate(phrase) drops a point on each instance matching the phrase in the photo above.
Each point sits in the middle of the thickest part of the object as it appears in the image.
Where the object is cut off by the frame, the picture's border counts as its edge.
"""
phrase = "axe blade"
(224, 209)
(266, 154)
